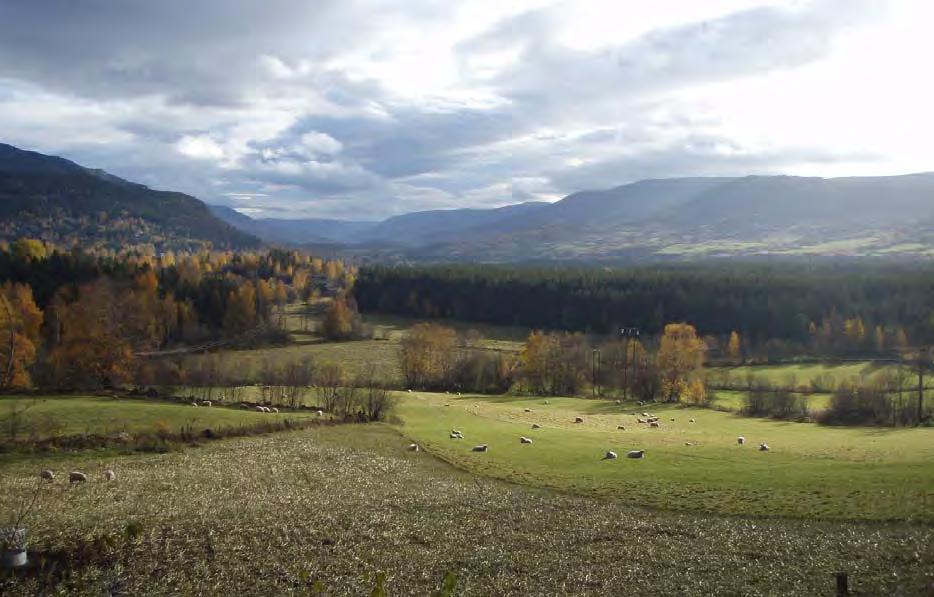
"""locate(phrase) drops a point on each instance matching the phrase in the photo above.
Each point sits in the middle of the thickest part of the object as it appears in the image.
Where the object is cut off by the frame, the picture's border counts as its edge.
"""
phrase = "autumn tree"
(734, 348)
(428, 355)
(554, 363)
(20, 322)
(341, 321)
(93, 349)
(241, 308)
(680, 360)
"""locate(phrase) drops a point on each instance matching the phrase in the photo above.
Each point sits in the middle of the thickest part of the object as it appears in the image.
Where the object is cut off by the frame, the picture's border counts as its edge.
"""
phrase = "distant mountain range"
(56, 200)
(664, 218)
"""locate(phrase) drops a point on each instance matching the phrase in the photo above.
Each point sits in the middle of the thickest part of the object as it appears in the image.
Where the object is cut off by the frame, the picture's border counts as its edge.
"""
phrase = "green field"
(811, 471)
(322, 511)
(802, 374)
(74, 415)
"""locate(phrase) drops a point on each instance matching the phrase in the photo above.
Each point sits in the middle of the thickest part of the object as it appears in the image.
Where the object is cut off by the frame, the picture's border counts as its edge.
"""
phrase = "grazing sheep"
(319, 412)
(654, 424)
(413, 447)
(621, 427)
(409, 391)
(458, 393)
(77, 477)
(672, 419)
(691, 421)
(457, 435)
(619, 402)
(480, 448)
(194, 404)
(641, 420)
(763, 447)
(206, 403)
(635, 454)
(457, 431)
(528, 410)
(548, 402)
(536, 426)
(578, 419)
(47, 475)
(275, 410)
(741, 440)
(646, 415)
(688, 444)
(524, 440)
(447, 404)
(610, 455)
(109, 475)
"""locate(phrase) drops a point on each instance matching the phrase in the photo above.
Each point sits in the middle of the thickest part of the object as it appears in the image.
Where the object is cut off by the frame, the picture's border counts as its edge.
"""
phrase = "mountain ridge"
(57, 200)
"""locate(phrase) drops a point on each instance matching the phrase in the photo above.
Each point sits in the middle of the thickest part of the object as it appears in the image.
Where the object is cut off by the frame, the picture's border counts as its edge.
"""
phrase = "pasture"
(323, 511)
(47, 416)
(811, 471)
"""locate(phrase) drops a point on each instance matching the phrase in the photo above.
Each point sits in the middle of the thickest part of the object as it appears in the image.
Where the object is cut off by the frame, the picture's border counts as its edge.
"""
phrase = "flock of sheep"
(652, 421)
(76, 476)
(257, 407)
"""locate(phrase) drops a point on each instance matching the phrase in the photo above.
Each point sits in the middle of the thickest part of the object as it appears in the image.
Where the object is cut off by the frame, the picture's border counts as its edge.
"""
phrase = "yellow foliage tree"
(680, 359)
(734, 347)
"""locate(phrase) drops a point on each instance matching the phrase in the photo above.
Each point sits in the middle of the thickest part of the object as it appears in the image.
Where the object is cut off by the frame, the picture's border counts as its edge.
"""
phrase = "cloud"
(363, 109)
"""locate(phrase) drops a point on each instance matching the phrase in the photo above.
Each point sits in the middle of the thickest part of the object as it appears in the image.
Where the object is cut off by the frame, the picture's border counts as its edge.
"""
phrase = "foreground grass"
(72, 415)
(326, 509)
(810, 472)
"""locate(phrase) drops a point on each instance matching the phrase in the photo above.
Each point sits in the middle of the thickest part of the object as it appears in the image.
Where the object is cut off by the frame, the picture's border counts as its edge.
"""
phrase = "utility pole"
(595, 371)
(628, 334)
(923, 362)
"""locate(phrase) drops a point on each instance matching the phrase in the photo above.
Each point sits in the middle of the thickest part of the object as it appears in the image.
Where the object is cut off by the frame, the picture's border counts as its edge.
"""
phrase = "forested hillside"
(60, 202)
(783, 308)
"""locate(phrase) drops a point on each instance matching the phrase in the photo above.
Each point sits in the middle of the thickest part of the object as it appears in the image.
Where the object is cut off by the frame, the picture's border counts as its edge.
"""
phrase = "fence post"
(842, 584)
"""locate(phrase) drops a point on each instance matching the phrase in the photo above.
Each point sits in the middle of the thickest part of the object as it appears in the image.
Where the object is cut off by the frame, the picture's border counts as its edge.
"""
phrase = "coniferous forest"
(825, 308)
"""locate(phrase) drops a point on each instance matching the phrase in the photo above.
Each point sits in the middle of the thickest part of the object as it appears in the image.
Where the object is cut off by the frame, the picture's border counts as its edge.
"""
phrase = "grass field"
(801, 373)
(322, 511)
(72, 415)
(810, 472)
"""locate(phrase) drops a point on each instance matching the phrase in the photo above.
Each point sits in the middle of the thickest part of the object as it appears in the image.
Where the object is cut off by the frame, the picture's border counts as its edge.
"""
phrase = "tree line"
(78, 319)
(777, 310)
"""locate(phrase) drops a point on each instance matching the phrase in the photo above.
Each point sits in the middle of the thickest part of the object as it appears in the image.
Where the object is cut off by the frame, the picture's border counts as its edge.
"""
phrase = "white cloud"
(200, 147)
(369, 108)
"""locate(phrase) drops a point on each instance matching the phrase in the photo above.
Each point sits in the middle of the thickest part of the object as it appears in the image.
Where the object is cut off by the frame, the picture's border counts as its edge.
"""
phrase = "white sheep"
(763, 447)
(109, 475)
(688, 444)
(206, 403)
(611, 455)
(640, 420)
(635, 454)
(741, 440)
(536, 426)
(524, 440)
(409, 391)
(547, 402)
(413, 447)
(578, 419)
(47, 475)
(275, 410)
(646, 415)
(258, 408)
(621, 427)
(619, 402)
(480, 448)
(528, 410)
(654, 424)
(319, 412)
(194, 404)
(691, 421)
(77, 477)
(456, 436)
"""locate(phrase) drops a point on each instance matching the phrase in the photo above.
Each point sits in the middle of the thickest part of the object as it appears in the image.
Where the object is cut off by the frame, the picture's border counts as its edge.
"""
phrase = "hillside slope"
(59, 201)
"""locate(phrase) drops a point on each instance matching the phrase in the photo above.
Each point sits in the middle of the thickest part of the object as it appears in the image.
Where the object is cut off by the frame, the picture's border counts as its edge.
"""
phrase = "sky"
(361, 110)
